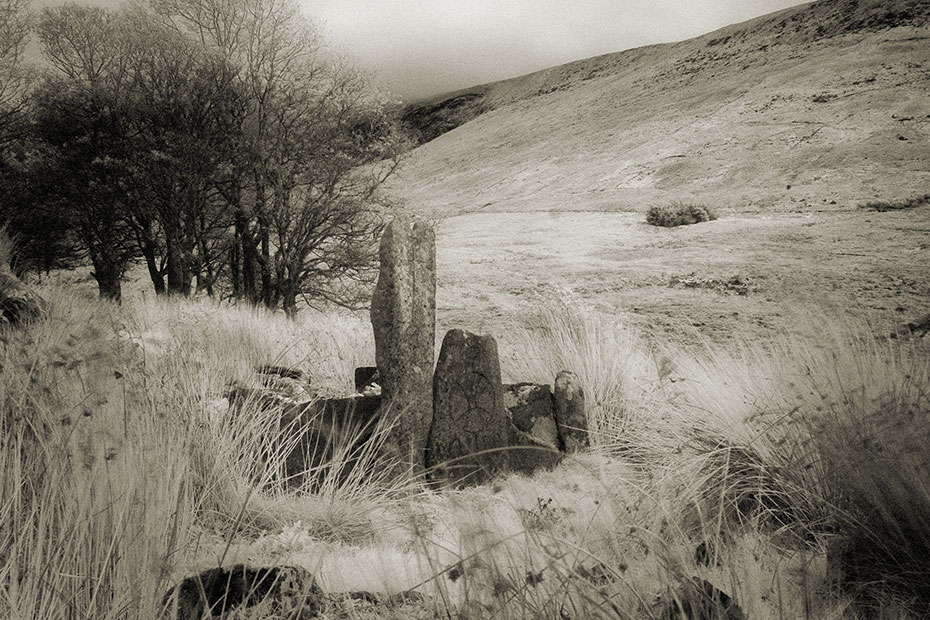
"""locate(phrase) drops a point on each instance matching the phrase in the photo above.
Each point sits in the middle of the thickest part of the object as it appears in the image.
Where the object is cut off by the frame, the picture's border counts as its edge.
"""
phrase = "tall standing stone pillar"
(403, 316)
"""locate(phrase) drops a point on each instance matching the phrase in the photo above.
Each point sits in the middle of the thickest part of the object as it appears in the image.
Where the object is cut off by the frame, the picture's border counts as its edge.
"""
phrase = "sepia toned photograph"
(464, 310)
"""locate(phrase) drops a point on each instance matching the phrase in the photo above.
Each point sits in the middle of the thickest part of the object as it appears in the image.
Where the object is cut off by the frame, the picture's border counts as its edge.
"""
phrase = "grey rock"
(319, 430)
(403, 316)
(527, 454)
(918, 328)
(534, 439)
(570, 412)
(284, 372)
(531, 410)
(272, 387)
(698, 599)
(470, 431)
(366, 377)
(288, 591)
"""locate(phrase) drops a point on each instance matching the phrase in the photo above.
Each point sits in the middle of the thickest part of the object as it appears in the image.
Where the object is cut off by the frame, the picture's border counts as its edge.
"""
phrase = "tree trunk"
(289, 299)
(206, 259)
(151, 262)
(265, 266)
(235, 265)
(247, 258)
(108, 276)
(264, 238)
(178, 276)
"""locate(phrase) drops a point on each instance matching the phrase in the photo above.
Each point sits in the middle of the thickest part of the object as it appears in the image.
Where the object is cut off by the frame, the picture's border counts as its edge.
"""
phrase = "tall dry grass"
(95, 498)
(124, 469)
(120, 456)
(616, 367)
(791, 446)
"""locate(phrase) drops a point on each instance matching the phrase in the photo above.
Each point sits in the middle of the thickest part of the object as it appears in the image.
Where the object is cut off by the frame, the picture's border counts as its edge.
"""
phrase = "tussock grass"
(616, 368)
(799, 445)
(204, 338)
(94, 498)
(121, 459)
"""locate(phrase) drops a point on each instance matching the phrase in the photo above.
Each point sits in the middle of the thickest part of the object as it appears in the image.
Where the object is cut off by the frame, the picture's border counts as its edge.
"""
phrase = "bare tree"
(81, 118)
(136, 119)
(304, 212)
(15, 24)
(186, 114)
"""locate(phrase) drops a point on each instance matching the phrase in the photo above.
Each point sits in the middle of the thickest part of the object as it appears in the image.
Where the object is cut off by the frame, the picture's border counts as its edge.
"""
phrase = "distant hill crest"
(827, 97)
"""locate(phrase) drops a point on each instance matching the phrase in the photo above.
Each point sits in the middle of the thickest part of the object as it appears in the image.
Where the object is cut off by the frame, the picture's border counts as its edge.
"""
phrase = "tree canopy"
(217, 141)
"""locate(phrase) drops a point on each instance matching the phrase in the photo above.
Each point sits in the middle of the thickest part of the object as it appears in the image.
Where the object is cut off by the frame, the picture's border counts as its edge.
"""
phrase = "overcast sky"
(423, 47)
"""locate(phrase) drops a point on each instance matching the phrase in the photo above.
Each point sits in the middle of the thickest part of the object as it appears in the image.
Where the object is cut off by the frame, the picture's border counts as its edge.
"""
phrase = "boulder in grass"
(284, 372)
(698, 599)
(367, 380)
(278, 591)
(19, 303)
(534, 439)
(319, 431)
(528, 454)
(570, 413)
(918, 328)
(530, 409)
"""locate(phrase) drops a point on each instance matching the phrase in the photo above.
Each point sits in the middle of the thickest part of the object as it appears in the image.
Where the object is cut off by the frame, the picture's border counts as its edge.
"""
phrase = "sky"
(418, 48)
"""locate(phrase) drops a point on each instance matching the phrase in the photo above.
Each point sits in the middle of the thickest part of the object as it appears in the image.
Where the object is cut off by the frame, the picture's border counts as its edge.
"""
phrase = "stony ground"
(744, 274)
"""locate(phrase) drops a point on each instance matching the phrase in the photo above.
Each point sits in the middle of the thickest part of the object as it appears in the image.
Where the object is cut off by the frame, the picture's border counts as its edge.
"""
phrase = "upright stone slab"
(569, 412)
(403, 315)
(470, 424)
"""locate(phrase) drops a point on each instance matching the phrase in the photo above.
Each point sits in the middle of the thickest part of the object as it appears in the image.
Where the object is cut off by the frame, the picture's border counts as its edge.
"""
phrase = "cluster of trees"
(217, 141)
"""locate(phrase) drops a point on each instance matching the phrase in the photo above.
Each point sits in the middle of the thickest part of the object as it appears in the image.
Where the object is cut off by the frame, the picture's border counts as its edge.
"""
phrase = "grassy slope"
(817, 97)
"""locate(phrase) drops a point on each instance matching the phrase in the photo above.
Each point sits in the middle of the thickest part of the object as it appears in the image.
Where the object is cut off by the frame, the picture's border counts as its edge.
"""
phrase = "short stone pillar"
(403, 316)
(470, 426)
(534, 438)
(530, 410)
(569, 412)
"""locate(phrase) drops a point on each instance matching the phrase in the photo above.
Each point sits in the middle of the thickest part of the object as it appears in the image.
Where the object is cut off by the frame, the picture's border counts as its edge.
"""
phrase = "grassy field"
(124, 471)
(752, 424)
(742, 276)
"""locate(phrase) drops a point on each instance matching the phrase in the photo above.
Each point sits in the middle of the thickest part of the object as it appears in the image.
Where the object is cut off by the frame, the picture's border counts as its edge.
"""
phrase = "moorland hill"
(820, 104)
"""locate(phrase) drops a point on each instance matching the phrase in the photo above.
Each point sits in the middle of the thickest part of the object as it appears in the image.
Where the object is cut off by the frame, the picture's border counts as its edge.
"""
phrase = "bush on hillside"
(678, 214)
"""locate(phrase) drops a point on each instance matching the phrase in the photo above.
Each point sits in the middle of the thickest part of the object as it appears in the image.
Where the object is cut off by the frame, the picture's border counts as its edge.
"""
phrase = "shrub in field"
(678, 214)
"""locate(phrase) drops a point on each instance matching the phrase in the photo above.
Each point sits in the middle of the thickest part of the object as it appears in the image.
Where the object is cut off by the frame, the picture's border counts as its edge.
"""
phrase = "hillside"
(824, 103)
